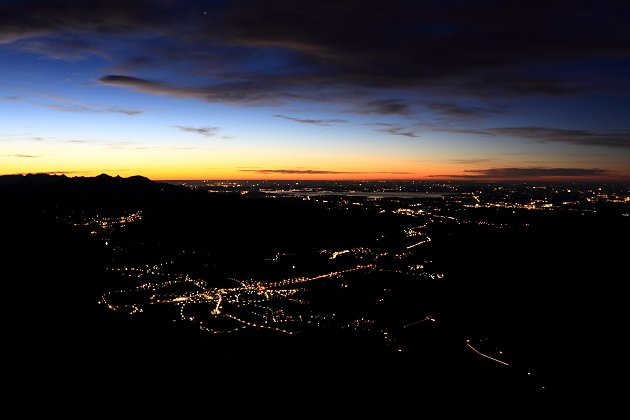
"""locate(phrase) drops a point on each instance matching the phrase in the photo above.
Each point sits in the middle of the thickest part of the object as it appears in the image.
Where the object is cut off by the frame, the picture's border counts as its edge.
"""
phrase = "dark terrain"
(546, 289)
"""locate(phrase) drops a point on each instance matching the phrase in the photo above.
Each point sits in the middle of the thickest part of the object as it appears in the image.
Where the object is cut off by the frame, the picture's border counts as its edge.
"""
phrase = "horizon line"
(68, 174)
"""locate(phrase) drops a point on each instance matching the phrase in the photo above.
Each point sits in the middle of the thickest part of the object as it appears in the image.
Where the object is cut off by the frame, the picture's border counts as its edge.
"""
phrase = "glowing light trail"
(485, 355)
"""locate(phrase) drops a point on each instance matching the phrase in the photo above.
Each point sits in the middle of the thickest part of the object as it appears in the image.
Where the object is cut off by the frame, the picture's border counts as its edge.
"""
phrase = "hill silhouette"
(534, 285)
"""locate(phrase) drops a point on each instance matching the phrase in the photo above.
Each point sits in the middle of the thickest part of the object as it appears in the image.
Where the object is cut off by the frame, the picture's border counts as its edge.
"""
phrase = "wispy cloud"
(204, 131)
(61, 172)
(94, 110)
(393, 129)
(20, 155)
(385, 107)
(399, 131)
(263, 92)
(323, 123)
(546, 134)
(61, 48)
(454, 110)
(129, 112)
(60, 103)
(313, 172)
(469, 161)
(296, 171)
(526, 173)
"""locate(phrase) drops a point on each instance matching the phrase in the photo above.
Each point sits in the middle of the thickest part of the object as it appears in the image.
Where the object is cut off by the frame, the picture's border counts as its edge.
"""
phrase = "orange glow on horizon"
(165, 165)
(236, 175)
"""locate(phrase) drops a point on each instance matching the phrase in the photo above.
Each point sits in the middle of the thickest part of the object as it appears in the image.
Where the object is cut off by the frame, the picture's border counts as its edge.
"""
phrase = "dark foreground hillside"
(548, 293)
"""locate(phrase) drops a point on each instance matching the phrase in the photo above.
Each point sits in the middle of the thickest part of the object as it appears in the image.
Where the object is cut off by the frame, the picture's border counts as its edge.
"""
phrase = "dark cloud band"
(454, 46)
(313, 172)
(324, 123)
(546, 134)
(527, 173)
(204, 131)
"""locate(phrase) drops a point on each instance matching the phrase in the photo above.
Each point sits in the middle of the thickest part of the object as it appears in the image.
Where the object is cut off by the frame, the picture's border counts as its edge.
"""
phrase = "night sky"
(279, 89)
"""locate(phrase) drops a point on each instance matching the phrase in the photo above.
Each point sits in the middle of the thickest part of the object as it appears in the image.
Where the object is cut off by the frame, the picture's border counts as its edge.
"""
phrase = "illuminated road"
(427, 318)
(485, 355)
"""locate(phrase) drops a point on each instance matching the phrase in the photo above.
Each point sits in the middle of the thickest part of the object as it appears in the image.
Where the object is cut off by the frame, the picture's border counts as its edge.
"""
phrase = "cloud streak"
(546, 134)
(313, 172)
(531, 172)
(60, 48)
(392, 129)
(92, 110)
(469, 161)
(323, 123)
(454, 110)
(20, 155)
(60, 172)
(241, 93)
(204, 131)
(386, 107)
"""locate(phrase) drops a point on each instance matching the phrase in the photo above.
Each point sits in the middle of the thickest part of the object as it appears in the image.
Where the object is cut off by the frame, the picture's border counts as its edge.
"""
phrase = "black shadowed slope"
(526, 287)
